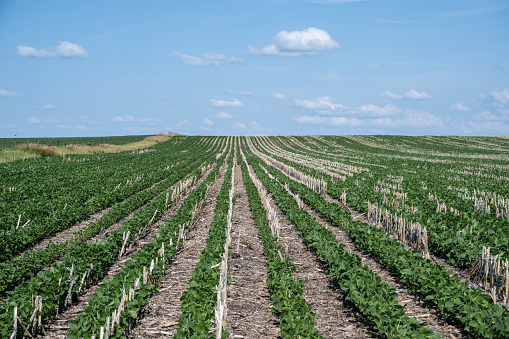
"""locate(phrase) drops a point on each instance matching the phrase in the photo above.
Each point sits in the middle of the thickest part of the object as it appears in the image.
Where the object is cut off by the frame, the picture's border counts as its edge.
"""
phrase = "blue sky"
(92, 68)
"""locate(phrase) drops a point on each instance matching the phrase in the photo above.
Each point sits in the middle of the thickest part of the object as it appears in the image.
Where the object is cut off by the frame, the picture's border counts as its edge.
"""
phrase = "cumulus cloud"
(310, 39)
(46, 107)
(4, 93)
(377, 110)
(414, 95)
(34, 120)
(64, 50)
(226, 103)
(278, 96)
(208, 59)
(223, 115)
(297, 43)
(410, 95)
(323, 104)
(459, 107)
(391, 95)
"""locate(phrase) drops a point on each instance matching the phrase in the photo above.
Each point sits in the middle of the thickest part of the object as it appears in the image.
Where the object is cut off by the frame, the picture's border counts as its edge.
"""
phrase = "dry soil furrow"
(161, 313)
(335, 318)
(249, 302)
(412, 304)
(58, 326)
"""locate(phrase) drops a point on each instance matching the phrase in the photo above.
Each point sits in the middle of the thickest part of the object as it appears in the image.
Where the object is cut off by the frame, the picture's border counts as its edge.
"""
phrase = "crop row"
(109, 307)
(296, 318)
(447, 232)
(86, 262)
(198, 301)
(470, 307)
(15, 271)
(377, 301)
(86, 190)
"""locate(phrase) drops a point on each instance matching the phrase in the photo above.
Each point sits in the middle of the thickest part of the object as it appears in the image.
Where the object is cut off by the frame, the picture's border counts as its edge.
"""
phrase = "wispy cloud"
(377, 110)
(239, 125)
(410, 95)
(207, 122)
(321, 104)
(4, 93)
(459, 107)
(410, 118)
(34, 120)
(223, 115)
(391, 95)
(46, 107)
(414, 95)
(64, 50)
(475, 11)
(237, 93)
(226, 103)
(208, 59)
(130, 118)
(278, 96)
(297, 43)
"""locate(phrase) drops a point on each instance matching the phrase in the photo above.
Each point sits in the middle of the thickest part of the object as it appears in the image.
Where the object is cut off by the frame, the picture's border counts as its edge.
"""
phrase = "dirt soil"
(162, 311)
(249, 302)
(58, 326)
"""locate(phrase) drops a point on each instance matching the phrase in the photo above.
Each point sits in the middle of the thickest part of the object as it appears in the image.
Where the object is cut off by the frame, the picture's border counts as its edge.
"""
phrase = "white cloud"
(239, 125)
(409, 118)
(237, 93)
(420, 119)
(376, 110)
(391, 95)
(274, 50)
(414, 95)
(130, 118)
(34, 120)
(501, 96)
(223, 115)
(64, 50)
(4, 93)
(310, 39)
(208, 59)
(487, 115)
(459, 107)
(46, 107)
(321, 103)
(279, 96)
(411, 95)
(226, 103)
(207, 122)
(297, 43)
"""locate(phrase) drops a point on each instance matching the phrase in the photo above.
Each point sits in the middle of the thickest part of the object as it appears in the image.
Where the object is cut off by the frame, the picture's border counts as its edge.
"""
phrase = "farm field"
(258, 237)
